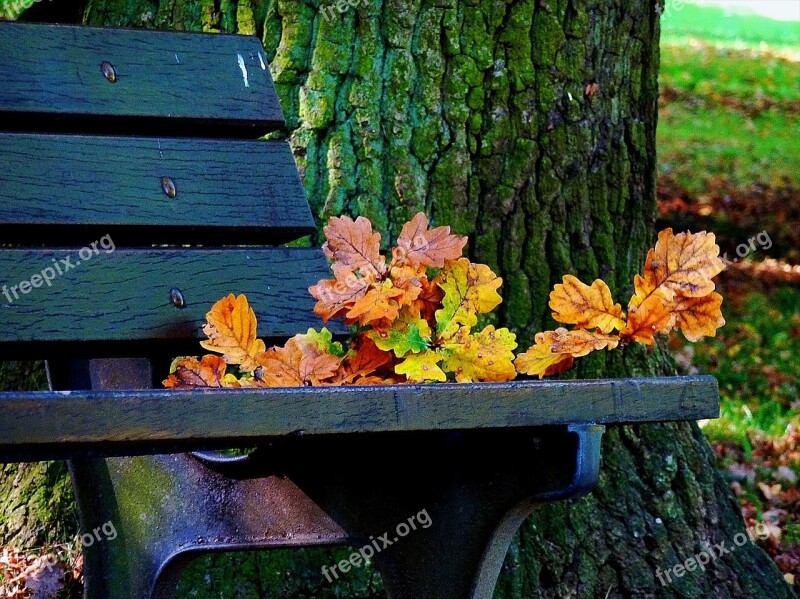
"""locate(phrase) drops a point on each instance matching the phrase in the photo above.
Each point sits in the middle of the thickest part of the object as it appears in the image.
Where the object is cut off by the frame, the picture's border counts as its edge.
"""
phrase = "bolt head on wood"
(177, 298)
(109, 72)
(168, 185)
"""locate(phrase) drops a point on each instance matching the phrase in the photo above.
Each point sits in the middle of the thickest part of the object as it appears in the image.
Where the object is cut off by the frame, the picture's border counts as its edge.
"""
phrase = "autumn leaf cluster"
(414, 316)
(676, 291)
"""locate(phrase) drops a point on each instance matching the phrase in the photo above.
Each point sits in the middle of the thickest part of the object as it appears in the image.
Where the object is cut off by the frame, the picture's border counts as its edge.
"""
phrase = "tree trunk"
(530, 126)
(36, 500)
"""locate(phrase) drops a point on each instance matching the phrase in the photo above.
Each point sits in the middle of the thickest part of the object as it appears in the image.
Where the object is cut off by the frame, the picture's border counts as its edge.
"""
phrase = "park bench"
(132, 170)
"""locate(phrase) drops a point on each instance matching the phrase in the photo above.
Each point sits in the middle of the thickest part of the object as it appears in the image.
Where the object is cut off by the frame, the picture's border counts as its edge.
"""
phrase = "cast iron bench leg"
(465, 493)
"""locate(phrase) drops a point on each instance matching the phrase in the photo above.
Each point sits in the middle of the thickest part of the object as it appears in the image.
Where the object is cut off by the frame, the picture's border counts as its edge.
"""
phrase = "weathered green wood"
(66, 190)
(130, 422)
(125, 295)
(56, 74)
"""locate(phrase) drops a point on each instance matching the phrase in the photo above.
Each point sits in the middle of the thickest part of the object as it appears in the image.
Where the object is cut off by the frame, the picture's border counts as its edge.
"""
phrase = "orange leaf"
(418, 246)
(410, 280)
(683, 264)
(300, 362)
(231, 330)
(584, 306)
(554, 351)
(579, 343)
(653, 316)
(209, 371)
(352, 245)
(541, 361)
(378, 303)
(362, 361)
(335, 297)
(699, 316)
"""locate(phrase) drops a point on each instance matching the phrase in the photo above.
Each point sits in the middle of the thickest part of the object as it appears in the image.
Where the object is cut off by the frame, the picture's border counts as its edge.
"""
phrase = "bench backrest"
(135, 192)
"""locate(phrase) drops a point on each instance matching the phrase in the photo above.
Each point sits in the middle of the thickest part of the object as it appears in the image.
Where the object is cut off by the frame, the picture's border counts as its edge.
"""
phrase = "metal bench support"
(475, 487)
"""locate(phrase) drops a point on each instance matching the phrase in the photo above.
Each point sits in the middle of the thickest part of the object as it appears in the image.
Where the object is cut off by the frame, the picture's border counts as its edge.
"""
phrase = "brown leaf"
(209, 371)
(417, 246)
(353, 246)
(335, 297)
(300, 362)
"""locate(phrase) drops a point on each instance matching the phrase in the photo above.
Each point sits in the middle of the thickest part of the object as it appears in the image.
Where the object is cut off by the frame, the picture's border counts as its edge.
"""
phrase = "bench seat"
(49, 425)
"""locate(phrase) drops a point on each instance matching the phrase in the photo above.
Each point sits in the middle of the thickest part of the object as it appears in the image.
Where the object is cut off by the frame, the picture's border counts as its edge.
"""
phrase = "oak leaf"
(684, 264)
(422, 367)
(209, 371)
(541, 361)
(419, 246)
(362, 362)
(379, 303)
(406, 335)
(469, 289)
(335, 297)
(231, 331)
(487, 356)
(303, 361)
(585, 306)
(699, 317)
(354, 246)
(555, 351)
(653, 316)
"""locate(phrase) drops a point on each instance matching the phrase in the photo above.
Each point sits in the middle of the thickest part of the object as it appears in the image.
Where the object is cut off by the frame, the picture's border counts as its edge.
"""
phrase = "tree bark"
(529, 126)
(36, 500)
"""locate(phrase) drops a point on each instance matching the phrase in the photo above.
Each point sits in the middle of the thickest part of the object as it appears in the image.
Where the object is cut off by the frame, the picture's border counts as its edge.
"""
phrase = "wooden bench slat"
(124, 295)
(164, 81)
(105, 422)
(65, 189)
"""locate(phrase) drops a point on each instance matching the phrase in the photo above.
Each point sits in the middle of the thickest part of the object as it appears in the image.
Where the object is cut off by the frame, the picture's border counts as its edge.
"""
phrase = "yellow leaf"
(487, 356)
(586, 307)
(407, 334)
(541, 361)
(418, 246)
(469, 289)
(699, 317)
(422, 367)
(231, 331)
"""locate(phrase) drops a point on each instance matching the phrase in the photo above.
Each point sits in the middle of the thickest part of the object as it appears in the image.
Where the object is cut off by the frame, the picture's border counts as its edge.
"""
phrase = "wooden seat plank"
(130, 80)
(124, 296)
(113, 422)
(65, 189)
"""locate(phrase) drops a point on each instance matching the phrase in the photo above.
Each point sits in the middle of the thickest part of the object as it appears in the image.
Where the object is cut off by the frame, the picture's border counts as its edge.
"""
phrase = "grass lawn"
(730, 111)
